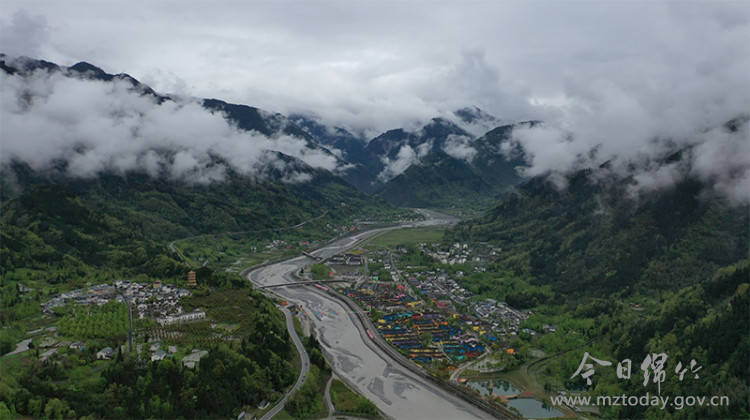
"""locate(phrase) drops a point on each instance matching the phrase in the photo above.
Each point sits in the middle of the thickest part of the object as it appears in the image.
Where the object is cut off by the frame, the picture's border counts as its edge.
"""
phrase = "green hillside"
(446, 182)
(439, 182)
(60, 233)
(117, 222)
(623, 277)
(592, 239)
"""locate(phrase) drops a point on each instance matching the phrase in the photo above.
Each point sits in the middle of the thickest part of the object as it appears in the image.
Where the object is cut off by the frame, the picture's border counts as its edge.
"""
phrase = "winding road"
(303, 372)
(327, 397)
(398, 392)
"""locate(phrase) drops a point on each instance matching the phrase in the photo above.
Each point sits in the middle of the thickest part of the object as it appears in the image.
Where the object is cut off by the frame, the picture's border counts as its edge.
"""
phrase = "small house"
(105, 353)
(158, 355)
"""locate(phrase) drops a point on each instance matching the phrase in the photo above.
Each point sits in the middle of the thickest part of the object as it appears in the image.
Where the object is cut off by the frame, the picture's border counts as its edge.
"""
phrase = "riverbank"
(397, 390)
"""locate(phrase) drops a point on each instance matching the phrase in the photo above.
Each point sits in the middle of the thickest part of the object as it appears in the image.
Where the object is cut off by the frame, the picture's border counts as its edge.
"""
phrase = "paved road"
(398, 392)
(303, 372)
(174, 250)
(327, 397)
(456, 373)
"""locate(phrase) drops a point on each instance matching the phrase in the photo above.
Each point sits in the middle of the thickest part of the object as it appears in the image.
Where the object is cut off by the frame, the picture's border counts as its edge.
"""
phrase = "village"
(160, 302)
(154, 301)
(424, 312)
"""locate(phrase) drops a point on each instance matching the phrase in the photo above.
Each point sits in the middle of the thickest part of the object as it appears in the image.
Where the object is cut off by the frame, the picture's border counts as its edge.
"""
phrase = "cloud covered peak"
(718, 155)
(95, 122)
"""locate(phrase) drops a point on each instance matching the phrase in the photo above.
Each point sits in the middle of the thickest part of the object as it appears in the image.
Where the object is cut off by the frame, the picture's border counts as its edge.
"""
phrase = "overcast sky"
(615, 75)
(383, 63)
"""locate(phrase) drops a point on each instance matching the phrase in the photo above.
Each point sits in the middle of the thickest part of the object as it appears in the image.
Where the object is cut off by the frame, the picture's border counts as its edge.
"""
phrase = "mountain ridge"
(374, 166)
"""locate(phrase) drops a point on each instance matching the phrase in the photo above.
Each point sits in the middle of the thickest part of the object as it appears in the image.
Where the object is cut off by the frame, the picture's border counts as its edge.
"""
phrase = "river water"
(398, 392)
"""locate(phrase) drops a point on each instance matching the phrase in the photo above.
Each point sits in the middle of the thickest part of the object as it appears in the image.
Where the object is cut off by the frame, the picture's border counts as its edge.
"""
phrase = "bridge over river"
(296, 283)
(397, 391)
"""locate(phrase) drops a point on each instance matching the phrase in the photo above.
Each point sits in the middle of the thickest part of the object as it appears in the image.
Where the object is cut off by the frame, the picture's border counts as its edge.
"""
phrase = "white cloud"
(296, 178)
(621, 78)
(23, 33)
(394, 167)
(348, 62)
(460, 147)
(98, 126)
(424, 149)
(723, 158)
(718, 156)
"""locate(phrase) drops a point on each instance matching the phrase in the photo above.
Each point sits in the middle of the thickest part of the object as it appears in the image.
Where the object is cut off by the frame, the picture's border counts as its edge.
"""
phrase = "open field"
(347, 401)
(229, 253)
(407, 237)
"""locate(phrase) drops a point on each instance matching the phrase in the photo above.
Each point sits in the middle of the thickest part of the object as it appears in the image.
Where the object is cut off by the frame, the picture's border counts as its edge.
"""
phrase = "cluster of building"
(157, 353)
(426, 306)
(429, 336)
(94, 295)
(347, 259)
(277, 244)
(423, 335)
(460, 253)
(456, 254)
(383, 297)
(498, 317)
(440, 288)
(427, 314)
(502, 318)
(153, 300)
(382, 259)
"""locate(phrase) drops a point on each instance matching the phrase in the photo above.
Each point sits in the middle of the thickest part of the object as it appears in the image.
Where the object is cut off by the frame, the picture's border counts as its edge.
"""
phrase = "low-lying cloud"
(98, 126)
(623, 81)
(24, 33)
(718, 155)
(459, 147)
(405, 157)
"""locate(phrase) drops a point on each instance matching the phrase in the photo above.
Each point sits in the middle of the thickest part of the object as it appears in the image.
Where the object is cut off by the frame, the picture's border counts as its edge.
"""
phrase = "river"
(398, 392)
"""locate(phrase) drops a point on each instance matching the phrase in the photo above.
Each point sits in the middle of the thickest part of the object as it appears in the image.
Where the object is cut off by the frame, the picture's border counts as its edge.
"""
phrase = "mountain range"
(593, 249)
(439, 164)
(442, 164)
(119, 220)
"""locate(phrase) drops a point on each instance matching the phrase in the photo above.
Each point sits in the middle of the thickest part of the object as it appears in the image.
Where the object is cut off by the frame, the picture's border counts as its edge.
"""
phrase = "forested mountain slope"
(593, 237)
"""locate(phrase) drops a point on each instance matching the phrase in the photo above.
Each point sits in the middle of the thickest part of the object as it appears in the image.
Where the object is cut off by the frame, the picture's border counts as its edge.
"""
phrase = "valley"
(176, 255)
(394, 389)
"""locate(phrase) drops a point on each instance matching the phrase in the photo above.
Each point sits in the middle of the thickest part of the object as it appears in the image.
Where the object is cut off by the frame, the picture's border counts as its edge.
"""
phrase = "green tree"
(57, 409)
(320, 272)
(5, 413)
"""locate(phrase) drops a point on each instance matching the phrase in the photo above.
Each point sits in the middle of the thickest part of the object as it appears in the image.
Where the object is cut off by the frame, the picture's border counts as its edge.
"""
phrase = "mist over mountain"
(98, 170)
(625, 84)
(95, 121)
(592, 236)
(452, 169)
(592, 160)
